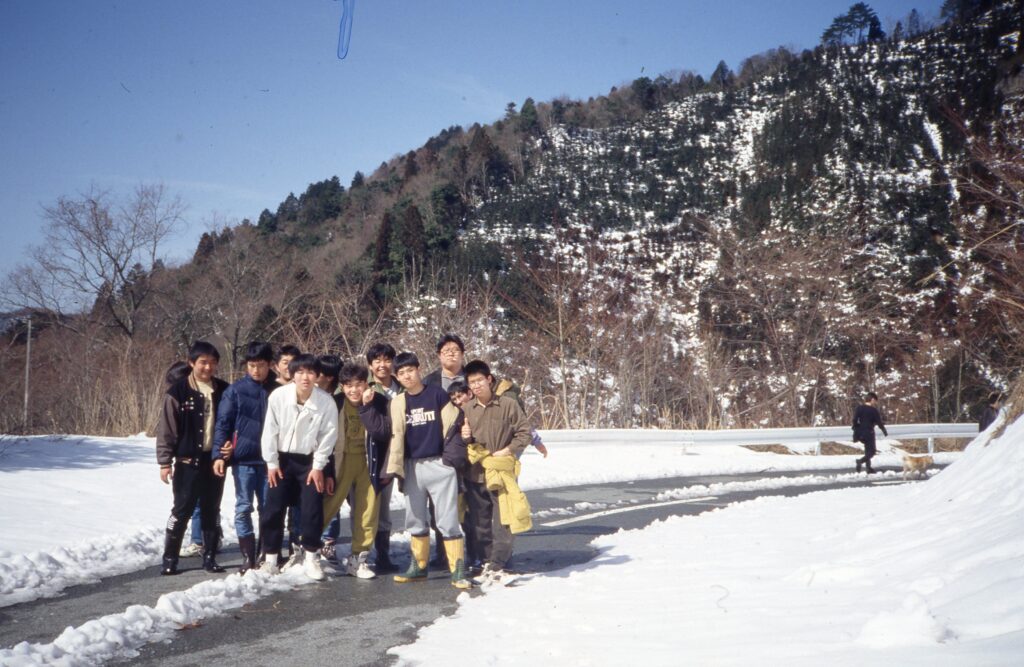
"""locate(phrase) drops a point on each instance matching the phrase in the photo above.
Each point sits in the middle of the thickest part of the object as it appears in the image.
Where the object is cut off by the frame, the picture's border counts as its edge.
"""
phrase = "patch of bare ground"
(773, 449)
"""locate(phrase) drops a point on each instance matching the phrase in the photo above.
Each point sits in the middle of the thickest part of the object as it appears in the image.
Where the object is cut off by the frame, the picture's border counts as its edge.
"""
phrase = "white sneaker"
(485, 575)
(191, 550)
(269, 567)
(294, 560)
(311, 565)
(358, 567)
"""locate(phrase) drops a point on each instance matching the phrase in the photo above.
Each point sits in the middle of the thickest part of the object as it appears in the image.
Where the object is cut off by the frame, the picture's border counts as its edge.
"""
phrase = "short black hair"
(403, 359)
(457, 387)
(353, 371)
(178, 371)
(259, 351)
(287, 350)
(450, 338)
(477, 367)
(304, 362)
(994, 397)
(330, 364)
(872, 396)
(200, 348)
(380, 350)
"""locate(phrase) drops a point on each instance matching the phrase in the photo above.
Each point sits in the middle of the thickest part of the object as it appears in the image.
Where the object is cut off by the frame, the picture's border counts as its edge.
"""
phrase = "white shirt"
(310, 428)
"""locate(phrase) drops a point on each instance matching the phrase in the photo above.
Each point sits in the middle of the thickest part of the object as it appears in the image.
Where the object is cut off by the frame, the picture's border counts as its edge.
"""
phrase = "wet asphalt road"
(345, 621)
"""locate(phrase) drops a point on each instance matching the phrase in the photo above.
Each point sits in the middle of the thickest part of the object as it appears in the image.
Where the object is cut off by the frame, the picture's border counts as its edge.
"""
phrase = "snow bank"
(75, 509)
(915, 574)
(120, 635)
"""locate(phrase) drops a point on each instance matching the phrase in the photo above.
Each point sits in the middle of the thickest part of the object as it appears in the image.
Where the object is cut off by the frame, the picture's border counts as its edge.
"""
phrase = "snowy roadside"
(76, 509)
(120, 635)
(913, 574)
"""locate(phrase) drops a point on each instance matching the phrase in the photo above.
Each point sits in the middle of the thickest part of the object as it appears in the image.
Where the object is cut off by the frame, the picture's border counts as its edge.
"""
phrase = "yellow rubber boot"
(456, 550)
(417, 571)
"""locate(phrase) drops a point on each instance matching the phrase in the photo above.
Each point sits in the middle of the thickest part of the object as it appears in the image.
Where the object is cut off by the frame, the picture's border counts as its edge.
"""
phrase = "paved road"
(345, 621)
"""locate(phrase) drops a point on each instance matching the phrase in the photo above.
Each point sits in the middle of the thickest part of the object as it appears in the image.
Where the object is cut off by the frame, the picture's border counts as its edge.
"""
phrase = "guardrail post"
(817, 448)
(931, 445)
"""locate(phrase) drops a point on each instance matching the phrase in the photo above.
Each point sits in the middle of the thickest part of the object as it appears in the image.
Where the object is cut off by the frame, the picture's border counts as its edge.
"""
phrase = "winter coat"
(377, 422)
(240, 419)
(451, 427)
(182, 428)
(500, 475)
(437, 378)
(319, 414)
(865, 419)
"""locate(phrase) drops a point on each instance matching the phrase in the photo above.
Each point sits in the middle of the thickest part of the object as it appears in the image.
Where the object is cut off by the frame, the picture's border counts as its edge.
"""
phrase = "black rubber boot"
(210, 552)
(859, 464)
(172, 545)
(382, 543)
(169, 567)
(247, 545)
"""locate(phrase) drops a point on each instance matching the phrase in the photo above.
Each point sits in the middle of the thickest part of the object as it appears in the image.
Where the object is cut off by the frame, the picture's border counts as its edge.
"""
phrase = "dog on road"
(916, 466)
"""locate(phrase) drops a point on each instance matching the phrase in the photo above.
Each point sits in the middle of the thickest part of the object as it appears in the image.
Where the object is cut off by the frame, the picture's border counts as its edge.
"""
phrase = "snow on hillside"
(917, 574)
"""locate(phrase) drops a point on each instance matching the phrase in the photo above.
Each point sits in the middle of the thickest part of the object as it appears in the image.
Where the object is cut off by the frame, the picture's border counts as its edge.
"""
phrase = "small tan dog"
(916, 465)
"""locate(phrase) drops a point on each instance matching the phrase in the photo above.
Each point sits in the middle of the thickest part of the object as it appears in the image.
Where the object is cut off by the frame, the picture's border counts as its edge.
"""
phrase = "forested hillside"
(757, 248)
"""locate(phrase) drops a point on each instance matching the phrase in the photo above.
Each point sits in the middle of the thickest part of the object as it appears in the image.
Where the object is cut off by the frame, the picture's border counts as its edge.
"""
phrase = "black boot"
(870, 470)
(172, 545)
(382, 543)
(859, 463)
(170, 566)
(210, 552)
(247, 545)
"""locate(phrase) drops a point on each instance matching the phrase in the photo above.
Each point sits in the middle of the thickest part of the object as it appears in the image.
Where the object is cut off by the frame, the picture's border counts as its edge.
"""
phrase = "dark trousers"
(869, 449)
(193, 483)
(492, 540)
(291, 490)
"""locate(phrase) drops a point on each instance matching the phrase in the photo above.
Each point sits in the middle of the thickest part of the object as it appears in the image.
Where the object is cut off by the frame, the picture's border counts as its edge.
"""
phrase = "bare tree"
(97, 256)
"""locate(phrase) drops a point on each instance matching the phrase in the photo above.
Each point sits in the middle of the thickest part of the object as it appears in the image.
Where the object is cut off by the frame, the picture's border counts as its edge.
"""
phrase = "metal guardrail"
(805, 438)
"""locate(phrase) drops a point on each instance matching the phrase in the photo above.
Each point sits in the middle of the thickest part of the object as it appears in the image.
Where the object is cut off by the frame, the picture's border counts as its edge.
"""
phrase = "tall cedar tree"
(382, 249)
(414, 236)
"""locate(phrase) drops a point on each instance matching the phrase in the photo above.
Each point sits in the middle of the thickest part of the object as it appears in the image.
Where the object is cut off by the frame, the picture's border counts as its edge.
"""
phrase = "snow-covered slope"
(920, 574)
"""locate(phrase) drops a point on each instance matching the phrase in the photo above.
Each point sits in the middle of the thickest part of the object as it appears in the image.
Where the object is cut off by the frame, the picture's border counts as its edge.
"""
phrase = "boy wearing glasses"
(451, 355)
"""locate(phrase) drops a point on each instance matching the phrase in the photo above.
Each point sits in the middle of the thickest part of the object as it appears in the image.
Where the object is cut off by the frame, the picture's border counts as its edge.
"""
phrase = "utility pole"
(28, 361)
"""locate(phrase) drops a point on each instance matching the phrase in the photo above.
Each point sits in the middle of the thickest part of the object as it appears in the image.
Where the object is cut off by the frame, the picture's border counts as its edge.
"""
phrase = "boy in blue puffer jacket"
(240, 424)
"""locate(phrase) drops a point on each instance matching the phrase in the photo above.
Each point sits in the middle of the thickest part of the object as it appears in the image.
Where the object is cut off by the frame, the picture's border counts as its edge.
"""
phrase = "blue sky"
(232, 105)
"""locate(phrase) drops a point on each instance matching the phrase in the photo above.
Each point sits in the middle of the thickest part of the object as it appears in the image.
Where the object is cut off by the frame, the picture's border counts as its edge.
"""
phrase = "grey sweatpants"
(425, 477)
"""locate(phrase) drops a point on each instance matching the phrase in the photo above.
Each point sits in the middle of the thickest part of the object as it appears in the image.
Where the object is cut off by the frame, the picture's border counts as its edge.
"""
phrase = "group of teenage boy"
(302, 434)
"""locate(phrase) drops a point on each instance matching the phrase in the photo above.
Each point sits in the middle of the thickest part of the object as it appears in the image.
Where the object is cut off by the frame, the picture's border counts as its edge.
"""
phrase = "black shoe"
(170, 566)
(858, 466)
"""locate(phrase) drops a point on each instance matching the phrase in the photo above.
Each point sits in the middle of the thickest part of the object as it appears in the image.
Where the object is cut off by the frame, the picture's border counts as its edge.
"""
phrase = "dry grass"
(920, 446)
(774, 449)
(839, 449)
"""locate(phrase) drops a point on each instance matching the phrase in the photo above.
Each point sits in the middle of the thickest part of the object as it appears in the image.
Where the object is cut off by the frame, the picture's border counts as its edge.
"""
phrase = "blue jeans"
(333, 529)
(197, 527)
(250, 483)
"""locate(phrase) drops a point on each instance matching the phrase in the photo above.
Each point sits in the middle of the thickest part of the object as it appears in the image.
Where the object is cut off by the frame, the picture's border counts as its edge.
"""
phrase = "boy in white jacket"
(299, 433)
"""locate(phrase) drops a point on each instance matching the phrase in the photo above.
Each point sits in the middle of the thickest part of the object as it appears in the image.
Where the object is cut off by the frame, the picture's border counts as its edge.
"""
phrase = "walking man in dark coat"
(865, 419)
(991, 411)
